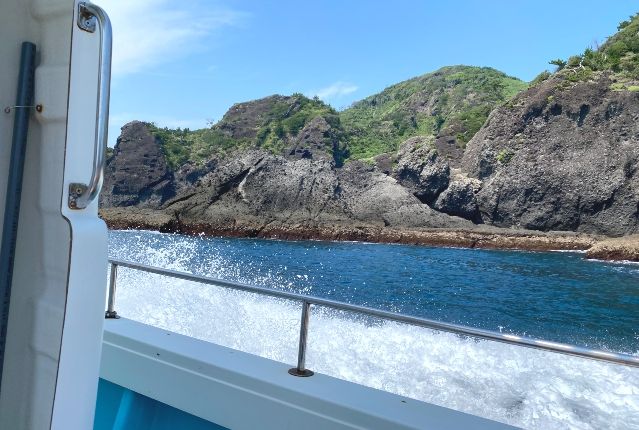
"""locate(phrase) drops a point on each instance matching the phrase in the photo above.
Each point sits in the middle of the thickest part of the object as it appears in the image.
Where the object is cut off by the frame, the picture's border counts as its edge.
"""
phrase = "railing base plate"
(301, 373)
(113, 315)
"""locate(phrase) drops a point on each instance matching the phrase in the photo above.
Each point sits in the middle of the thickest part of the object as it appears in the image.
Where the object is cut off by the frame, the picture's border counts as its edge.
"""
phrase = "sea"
(556, 296)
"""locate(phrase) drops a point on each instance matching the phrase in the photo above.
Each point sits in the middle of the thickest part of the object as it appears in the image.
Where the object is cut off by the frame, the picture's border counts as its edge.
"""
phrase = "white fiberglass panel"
(57, 301)
(41, 257)
(82, 332)
(242, 391)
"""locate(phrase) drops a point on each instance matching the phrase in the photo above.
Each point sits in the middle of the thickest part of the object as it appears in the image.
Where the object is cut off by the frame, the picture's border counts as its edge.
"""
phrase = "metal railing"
(307, 301)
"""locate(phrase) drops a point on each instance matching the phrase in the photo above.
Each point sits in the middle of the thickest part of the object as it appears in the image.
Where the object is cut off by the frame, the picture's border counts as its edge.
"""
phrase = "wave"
(523, 387)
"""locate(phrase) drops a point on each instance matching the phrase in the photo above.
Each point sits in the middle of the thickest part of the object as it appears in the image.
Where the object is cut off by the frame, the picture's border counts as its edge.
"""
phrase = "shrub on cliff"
(270, 123)
(618, 55)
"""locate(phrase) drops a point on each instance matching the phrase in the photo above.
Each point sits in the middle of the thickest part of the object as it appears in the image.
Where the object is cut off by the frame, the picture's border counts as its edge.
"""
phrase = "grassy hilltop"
(453, 101)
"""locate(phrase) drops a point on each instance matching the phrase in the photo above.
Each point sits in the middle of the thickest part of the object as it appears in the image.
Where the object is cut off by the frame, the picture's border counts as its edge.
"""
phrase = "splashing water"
(519, 386)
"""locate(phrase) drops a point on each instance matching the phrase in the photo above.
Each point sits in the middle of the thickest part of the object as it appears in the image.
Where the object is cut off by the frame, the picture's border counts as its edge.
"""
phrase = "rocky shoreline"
(555, 167)
(621, 248)
(482, 237)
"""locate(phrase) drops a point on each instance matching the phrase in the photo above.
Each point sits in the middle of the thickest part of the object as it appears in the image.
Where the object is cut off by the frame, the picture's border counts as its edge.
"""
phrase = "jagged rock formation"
(450, 149)
(318, 139)
(460, 199)
(560, 156)
(420, 169)
(256, 187)
(137, 173)
(465, 149)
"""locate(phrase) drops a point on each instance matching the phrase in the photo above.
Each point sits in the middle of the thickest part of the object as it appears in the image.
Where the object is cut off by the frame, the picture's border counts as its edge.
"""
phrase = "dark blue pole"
(22, 110)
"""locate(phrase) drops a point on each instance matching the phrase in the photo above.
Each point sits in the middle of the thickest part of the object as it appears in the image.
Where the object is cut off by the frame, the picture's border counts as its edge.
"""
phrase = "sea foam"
(520, 386)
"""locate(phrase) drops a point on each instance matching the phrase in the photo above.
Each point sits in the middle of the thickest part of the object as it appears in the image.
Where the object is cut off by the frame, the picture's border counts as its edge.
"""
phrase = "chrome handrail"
(81, 195)
(307, 301)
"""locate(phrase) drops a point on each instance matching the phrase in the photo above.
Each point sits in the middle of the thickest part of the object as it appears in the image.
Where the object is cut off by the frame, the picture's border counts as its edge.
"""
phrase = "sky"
(184, 63)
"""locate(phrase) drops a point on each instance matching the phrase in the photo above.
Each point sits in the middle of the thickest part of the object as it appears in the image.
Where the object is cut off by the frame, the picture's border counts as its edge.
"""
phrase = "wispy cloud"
(147, 33)
(335, 91)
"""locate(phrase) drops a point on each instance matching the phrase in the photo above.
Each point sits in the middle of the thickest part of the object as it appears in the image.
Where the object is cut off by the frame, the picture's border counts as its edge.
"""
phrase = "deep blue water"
(552, 295)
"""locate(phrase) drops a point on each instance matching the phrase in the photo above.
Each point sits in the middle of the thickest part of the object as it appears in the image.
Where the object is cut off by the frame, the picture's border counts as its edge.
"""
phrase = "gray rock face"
(243, 119)
(385, 163)
(561, 158)
(421, 170)
(137, 173)
(200, 187)
(448, 148)
(460, 198)
(375, 197)
(259, 188)
(318, 139)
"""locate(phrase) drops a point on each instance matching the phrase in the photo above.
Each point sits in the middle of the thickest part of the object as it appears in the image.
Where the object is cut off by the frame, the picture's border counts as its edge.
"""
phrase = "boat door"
(54, 89)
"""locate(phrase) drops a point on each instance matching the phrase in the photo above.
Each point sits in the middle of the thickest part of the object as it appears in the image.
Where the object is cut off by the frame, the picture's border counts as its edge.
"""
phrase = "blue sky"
(184, 63)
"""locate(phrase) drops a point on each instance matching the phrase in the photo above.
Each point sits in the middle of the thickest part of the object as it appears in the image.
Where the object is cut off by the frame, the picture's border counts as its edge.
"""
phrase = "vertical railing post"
(300, 370)
(110, 312)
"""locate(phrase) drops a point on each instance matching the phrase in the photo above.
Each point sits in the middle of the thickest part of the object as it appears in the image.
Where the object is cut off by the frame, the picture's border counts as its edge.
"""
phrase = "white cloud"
(335, 90)
(147, 33)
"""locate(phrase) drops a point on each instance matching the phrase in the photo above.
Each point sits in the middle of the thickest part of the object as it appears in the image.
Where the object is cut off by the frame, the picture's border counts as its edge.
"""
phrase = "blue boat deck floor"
(119, 408)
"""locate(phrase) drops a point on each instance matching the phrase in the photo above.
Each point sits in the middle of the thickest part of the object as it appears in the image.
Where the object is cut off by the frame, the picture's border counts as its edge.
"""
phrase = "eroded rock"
(560, 156)
(460, 198)
(137, 173)
(421, 170)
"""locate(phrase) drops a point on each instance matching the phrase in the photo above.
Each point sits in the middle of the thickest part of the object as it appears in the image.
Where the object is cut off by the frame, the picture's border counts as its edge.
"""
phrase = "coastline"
(482, 237)
(616, 249)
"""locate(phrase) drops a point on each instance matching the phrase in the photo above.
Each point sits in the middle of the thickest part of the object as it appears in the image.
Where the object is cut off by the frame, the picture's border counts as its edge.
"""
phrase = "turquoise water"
(552, 295)
(556, 296)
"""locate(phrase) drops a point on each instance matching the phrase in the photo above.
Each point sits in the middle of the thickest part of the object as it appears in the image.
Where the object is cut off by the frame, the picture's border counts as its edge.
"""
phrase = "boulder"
(420, 169)
(460, 198)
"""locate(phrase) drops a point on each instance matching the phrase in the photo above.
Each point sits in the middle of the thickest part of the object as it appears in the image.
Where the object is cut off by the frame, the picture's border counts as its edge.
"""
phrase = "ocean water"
(555, 296)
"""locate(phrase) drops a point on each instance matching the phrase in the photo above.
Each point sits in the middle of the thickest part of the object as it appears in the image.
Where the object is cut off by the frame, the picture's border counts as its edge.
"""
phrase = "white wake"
(519, 386)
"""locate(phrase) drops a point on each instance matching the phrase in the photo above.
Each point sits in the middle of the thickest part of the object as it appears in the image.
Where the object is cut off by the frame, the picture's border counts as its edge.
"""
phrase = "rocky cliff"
(137, 173)
(463, 148)
(561, 156)
(254, 187)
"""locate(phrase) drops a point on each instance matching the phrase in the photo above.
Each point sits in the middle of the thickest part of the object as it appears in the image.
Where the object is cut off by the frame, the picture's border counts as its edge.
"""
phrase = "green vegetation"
(504, 156)
(286, 118)
(183, 145)
(618, 55)
(471, 121)
(621, 51)
(452, 101)
(579, 75)
(540, 78)
(559, 63)
(271, 125)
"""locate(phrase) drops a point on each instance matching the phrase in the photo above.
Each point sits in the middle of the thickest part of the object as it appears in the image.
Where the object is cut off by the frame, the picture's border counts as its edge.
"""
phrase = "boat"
(66, 363)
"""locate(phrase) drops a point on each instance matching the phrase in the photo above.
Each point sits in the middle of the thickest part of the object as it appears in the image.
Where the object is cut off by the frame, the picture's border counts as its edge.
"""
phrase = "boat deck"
(158, 377)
